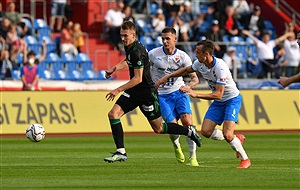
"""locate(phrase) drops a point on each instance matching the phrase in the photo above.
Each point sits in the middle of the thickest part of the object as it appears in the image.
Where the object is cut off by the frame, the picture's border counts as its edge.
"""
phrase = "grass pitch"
(77, 163)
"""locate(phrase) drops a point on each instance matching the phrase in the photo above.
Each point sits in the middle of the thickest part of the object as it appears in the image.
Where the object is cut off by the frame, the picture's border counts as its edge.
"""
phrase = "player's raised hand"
(109, 72)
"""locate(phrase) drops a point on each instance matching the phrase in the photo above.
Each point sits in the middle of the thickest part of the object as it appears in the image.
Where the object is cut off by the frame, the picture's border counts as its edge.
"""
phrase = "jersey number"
(170, 81)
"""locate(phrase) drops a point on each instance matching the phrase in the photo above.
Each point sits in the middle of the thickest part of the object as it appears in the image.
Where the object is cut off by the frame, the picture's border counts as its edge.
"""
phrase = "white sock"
(237, 146)
(175, 140)
(192, 147)
(217, 135)
(121, 150)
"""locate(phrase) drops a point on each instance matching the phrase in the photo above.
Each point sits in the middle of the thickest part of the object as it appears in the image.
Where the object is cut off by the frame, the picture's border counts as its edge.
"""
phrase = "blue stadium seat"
(16, 74)
(205, 26)
(225, 38)
(41, 27)
(86, 66)
(33, 44)
(236, 39)
(57, 67)
(29, 24)
(72, 66)
(101, 75)
(143, 27)
(158, 41)
(147, 42)
(153, 8)
(50, 45)
(203, 8)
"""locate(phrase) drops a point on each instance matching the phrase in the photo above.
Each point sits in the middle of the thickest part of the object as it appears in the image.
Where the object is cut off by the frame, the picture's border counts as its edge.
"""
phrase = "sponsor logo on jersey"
(177, 59)
(148, 108)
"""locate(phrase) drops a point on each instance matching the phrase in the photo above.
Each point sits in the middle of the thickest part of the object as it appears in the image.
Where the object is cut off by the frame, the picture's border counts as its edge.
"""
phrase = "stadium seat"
(72, 66)
(225, 38)
(147, 42)
(57, 67)
(41, 27)
(33, 44)
(202, 38)
(101, 75)
(203, 8)
(143, 27)
(158, 41)
(153, 8)
(29, 24)
(236, 39)
(205, 26)
(50, 45)
(86, 66)
(16, 74)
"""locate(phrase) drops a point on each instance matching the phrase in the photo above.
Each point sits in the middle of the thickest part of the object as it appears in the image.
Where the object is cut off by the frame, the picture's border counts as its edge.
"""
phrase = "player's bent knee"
(206, 134)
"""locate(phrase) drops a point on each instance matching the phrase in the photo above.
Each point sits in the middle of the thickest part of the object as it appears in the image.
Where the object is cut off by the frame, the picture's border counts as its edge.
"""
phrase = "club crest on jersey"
(177, 59)
(222, 79)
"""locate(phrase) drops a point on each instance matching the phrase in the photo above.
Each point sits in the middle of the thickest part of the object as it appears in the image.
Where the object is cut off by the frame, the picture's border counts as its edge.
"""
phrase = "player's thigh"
(232, 109)
(126, 102)
(167, 108)
(149, 105)
(156, 124)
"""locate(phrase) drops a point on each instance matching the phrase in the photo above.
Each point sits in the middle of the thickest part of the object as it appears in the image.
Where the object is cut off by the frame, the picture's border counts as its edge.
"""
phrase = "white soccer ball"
(35, 132)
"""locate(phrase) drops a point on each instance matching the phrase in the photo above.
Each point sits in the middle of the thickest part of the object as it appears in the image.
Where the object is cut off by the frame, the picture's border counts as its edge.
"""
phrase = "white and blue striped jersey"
(163, 64)
(218, 74)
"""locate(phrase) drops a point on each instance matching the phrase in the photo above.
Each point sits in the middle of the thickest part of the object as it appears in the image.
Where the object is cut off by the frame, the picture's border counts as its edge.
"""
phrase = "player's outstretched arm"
(181, 72)
(121, 65)
(285, 81)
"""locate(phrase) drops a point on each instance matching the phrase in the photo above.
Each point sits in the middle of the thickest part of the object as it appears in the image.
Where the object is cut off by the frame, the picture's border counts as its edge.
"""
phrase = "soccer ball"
(35, 132)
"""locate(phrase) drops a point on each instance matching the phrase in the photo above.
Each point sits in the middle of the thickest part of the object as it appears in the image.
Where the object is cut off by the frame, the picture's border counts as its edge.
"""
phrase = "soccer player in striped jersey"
(226, 96)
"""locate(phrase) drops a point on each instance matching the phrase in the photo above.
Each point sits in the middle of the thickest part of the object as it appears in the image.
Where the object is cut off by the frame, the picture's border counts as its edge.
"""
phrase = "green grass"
(77, 163)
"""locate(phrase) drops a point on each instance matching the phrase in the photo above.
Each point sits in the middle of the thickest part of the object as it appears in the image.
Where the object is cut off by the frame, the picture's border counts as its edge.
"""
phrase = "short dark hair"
(31, 53)
(207, 46)
(169, 30)
(128, 25)
(298, 32)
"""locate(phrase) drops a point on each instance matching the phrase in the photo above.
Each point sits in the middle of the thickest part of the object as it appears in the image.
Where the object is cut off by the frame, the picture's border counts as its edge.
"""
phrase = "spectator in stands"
(30, 73)
(174, 20)
(77, 36)
(285, 81)
(229, 22)
(57, 13)
(279, 61)
(4, 27)
(220, 7)
(210, 15)
(234, 63)
(265, 50)
(241, 8)
(5, 63)
(128, 16)
(159, 21)
(254, 22)
(289, 27)
(66, 41)
(15, 43)
(138, 4)
(292, 55)
(13, 16)
(2, 14)
(216, 35)
(113, 20)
